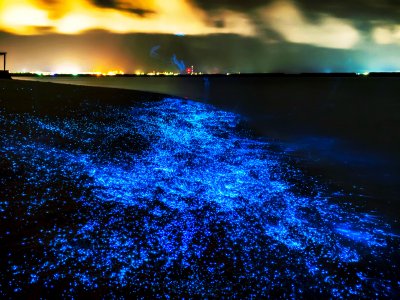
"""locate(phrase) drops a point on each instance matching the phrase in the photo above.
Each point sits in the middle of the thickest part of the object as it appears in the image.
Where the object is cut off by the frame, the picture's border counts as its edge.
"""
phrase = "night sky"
(213, 36)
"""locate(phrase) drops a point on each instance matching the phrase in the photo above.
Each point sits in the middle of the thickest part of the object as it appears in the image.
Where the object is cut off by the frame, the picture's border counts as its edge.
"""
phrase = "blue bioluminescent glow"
(154, 51)
(175, 198)
(206, 95)
(179, 63)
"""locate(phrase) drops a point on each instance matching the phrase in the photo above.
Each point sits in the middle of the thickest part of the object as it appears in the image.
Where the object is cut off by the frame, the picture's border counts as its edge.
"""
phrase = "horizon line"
(236, 74)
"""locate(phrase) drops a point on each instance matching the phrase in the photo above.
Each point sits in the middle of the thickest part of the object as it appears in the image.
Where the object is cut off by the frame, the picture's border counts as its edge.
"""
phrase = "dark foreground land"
(107, 193)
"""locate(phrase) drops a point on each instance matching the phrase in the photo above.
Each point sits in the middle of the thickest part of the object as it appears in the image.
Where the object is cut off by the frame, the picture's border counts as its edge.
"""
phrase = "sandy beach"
(113, 192)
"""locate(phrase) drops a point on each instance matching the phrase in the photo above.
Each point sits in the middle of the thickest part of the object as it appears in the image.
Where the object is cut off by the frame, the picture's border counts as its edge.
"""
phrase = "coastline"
(24, 96)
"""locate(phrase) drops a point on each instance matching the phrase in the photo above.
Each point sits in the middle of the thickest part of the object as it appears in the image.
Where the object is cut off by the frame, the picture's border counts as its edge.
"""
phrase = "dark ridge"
(384, 74)
(38, 97)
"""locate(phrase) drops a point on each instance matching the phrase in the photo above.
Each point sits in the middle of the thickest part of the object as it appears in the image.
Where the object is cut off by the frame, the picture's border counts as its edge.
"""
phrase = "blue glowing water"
(176, 198)
(180, 64)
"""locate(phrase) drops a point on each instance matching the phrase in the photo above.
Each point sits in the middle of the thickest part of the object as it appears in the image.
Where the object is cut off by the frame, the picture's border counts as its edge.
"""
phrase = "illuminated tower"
(190, 70)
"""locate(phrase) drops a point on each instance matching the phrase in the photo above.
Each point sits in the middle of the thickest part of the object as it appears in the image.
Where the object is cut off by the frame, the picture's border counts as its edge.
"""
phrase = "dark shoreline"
(18, 94)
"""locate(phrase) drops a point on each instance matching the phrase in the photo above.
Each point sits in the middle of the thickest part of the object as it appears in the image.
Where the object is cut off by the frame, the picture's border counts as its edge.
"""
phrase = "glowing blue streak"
(179, 63)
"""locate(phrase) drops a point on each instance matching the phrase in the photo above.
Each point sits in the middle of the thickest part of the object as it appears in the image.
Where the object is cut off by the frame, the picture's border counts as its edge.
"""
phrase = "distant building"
(190, 70)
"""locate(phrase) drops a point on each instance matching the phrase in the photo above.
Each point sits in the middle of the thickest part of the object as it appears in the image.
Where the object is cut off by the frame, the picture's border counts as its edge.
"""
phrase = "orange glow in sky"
(26, 17)
(82, 35)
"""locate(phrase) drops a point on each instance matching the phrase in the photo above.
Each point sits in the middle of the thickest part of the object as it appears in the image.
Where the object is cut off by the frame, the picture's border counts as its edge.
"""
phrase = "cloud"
(234, 5)
(325, 24)
(362, 10)
(155, 16)
(15, 15)
(348, 9)
(386, 34)
(340, 24)
(140, 8)
(362, 14)
(326, 31)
